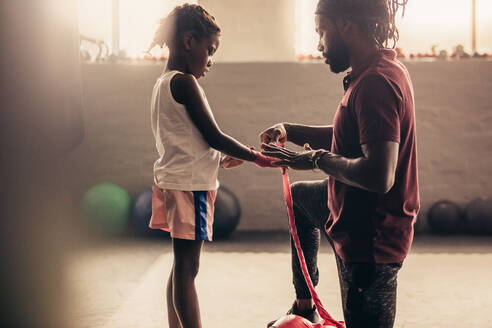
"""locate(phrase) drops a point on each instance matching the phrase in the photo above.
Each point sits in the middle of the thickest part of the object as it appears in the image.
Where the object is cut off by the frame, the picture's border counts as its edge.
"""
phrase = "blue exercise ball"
(142, 212)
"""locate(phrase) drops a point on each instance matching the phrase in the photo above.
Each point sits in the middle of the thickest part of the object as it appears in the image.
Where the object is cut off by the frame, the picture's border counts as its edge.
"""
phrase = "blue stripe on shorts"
(200, 198)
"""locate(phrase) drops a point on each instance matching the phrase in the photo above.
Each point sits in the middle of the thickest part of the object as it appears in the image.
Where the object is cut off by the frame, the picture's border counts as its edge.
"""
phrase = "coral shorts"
(185, 214)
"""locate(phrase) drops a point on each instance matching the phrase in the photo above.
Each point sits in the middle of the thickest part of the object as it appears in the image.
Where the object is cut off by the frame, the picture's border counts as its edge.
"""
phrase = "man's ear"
(187, 40)
(346, 28)
(344, 25)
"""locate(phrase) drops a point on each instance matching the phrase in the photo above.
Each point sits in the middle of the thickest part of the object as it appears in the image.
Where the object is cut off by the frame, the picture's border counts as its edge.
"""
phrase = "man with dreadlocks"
(368, 204)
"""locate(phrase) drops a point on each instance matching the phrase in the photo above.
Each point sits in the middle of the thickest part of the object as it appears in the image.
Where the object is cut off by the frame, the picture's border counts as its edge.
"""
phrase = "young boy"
(189, 143)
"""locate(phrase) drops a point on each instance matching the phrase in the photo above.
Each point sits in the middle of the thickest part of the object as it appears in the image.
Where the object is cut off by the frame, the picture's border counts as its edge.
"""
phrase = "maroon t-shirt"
(378, 105)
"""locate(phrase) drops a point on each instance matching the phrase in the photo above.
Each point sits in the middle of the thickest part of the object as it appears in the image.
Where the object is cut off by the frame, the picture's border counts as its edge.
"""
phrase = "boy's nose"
(210, 63)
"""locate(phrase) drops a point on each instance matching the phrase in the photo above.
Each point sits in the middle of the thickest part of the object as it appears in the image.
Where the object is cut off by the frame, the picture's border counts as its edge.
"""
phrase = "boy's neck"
(177, 62)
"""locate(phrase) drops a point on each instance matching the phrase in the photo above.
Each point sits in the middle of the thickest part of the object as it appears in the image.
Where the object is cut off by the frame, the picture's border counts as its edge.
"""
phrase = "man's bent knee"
(297, 190)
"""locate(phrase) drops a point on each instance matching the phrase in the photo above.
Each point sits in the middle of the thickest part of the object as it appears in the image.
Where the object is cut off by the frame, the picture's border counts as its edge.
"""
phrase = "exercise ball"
(420, 224)
(445, 217)
(106, 207)
(292, 321)
(478, 216)
(295, 321)
(141, 214)
(227, 213)
(142, 210)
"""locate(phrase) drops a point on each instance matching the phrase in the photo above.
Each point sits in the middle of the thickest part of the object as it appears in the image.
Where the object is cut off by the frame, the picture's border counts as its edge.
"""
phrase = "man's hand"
(228, 162)
(276, 134)
(302, 160)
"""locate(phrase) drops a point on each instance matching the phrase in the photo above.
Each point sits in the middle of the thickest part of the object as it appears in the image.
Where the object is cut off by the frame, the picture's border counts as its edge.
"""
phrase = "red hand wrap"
(264, 161)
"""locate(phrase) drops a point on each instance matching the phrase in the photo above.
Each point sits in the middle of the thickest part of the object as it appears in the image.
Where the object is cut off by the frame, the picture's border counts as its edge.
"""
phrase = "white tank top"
(186, 161)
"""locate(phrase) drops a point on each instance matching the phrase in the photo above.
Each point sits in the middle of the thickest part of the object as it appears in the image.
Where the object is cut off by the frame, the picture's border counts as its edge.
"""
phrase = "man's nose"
(320, 47)
(210, 63)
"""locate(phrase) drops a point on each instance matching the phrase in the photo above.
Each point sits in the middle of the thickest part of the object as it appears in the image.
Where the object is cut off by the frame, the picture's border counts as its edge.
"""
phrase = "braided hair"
(185, 18)
(376, 18)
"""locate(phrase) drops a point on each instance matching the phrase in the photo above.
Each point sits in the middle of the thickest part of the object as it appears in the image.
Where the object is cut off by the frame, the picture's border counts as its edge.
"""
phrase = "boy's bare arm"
(186, 91)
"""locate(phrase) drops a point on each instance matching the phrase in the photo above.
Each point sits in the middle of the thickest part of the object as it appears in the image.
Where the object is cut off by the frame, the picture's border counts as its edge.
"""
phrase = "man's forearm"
(356, 172)
(318, 137)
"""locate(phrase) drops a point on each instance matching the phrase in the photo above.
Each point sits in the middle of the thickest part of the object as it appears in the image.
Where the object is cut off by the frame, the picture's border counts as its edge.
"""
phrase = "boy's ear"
(187, 40)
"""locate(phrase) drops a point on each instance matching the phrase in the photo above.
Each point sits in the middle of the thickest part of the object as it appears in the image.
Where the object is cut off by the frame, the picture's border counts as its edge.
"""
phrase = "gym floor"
(246, 282)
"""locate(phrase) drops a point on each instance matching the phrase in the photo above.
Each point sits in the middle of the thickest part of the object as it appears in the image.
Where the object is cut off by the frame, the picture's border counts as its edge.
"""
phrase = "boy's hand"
(228, 162)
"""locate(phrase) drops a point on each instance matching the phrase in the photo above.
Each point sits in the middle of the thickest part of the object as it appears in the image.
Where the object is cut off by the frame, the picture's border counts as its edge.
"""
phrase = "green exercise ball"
(106, 207)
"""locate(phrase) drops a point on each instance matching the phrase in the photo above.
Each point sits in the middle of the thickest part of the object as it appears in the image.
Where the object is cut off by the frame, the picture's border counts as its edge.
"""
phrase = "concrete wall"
(454, 120)
(254, 30)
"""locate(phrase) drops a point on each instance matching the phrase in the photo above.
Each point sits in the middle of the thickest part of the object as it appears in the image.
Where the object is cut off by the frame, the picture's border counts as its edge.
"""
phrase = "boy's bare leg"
(186, 263)
(172, 317)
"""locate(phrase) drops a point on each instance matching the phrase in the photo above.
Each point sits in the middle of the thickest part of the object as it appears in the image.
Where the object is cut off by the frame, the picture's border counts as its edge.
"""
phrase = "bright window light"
(444, 23)
(306, 38)
(138, 20)
(95, 19)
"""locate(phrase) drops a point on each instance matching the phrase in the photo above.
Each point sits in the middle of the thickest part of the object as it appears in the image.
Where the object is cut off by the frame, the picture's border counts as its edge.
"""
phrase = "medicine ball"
(478, 216)
(227, 213)
(445, 217)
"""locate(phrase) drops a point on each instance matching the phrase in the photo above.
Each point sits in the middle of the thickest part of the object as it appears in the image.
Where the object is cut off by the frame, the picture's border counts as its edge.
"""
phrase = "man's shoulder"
(392, 70)
(387, 73)
(374, 84)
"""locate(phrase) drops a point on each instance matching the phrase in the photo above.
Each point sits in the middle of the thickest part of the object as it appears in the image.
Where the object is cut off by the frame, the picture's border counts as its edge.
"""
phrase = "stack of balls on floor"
(447, 217)
(108, 209)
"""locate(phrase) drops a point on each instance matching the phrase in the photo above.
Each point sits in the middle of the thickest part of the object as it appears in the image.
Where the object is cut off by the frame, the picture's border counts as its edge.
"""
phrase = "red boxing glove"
(264, 161)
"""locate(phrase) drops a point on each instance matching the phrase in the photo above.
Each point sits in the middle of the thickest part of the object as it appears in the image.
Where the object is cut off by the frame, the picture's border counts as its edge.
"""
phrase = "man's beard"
(337, 55)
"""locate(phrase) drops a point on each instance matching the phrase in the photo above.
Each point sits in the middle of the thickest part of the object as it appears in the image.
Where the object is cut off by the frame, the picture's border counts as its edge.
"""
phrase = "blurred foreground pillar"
(41, 121)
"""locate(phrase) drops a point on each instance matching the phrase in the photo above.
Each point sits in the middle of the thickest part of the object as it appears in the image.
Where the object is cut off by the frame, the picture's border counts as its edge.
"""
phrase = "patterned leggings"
(368, 289)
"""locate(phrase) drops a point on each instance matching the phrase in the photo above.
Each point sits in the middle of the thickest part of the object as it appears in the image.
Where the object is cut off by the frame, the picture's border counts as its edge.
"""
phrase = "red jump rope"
(294, 321)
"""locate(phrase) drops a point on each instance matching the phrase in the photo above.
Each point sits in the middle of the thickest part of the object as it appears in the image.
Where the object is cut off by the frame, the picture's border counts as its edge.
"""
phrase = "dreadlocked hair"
(185, 18)
(376, 18)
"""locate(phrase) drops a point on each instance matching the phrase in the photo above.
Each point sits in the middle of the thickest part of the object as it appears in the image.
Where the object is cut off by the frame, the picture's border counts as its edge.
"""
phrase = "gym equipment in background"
(445, 217)
(141, 213)
(106, 207)
(227, 213)
(478, 216)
